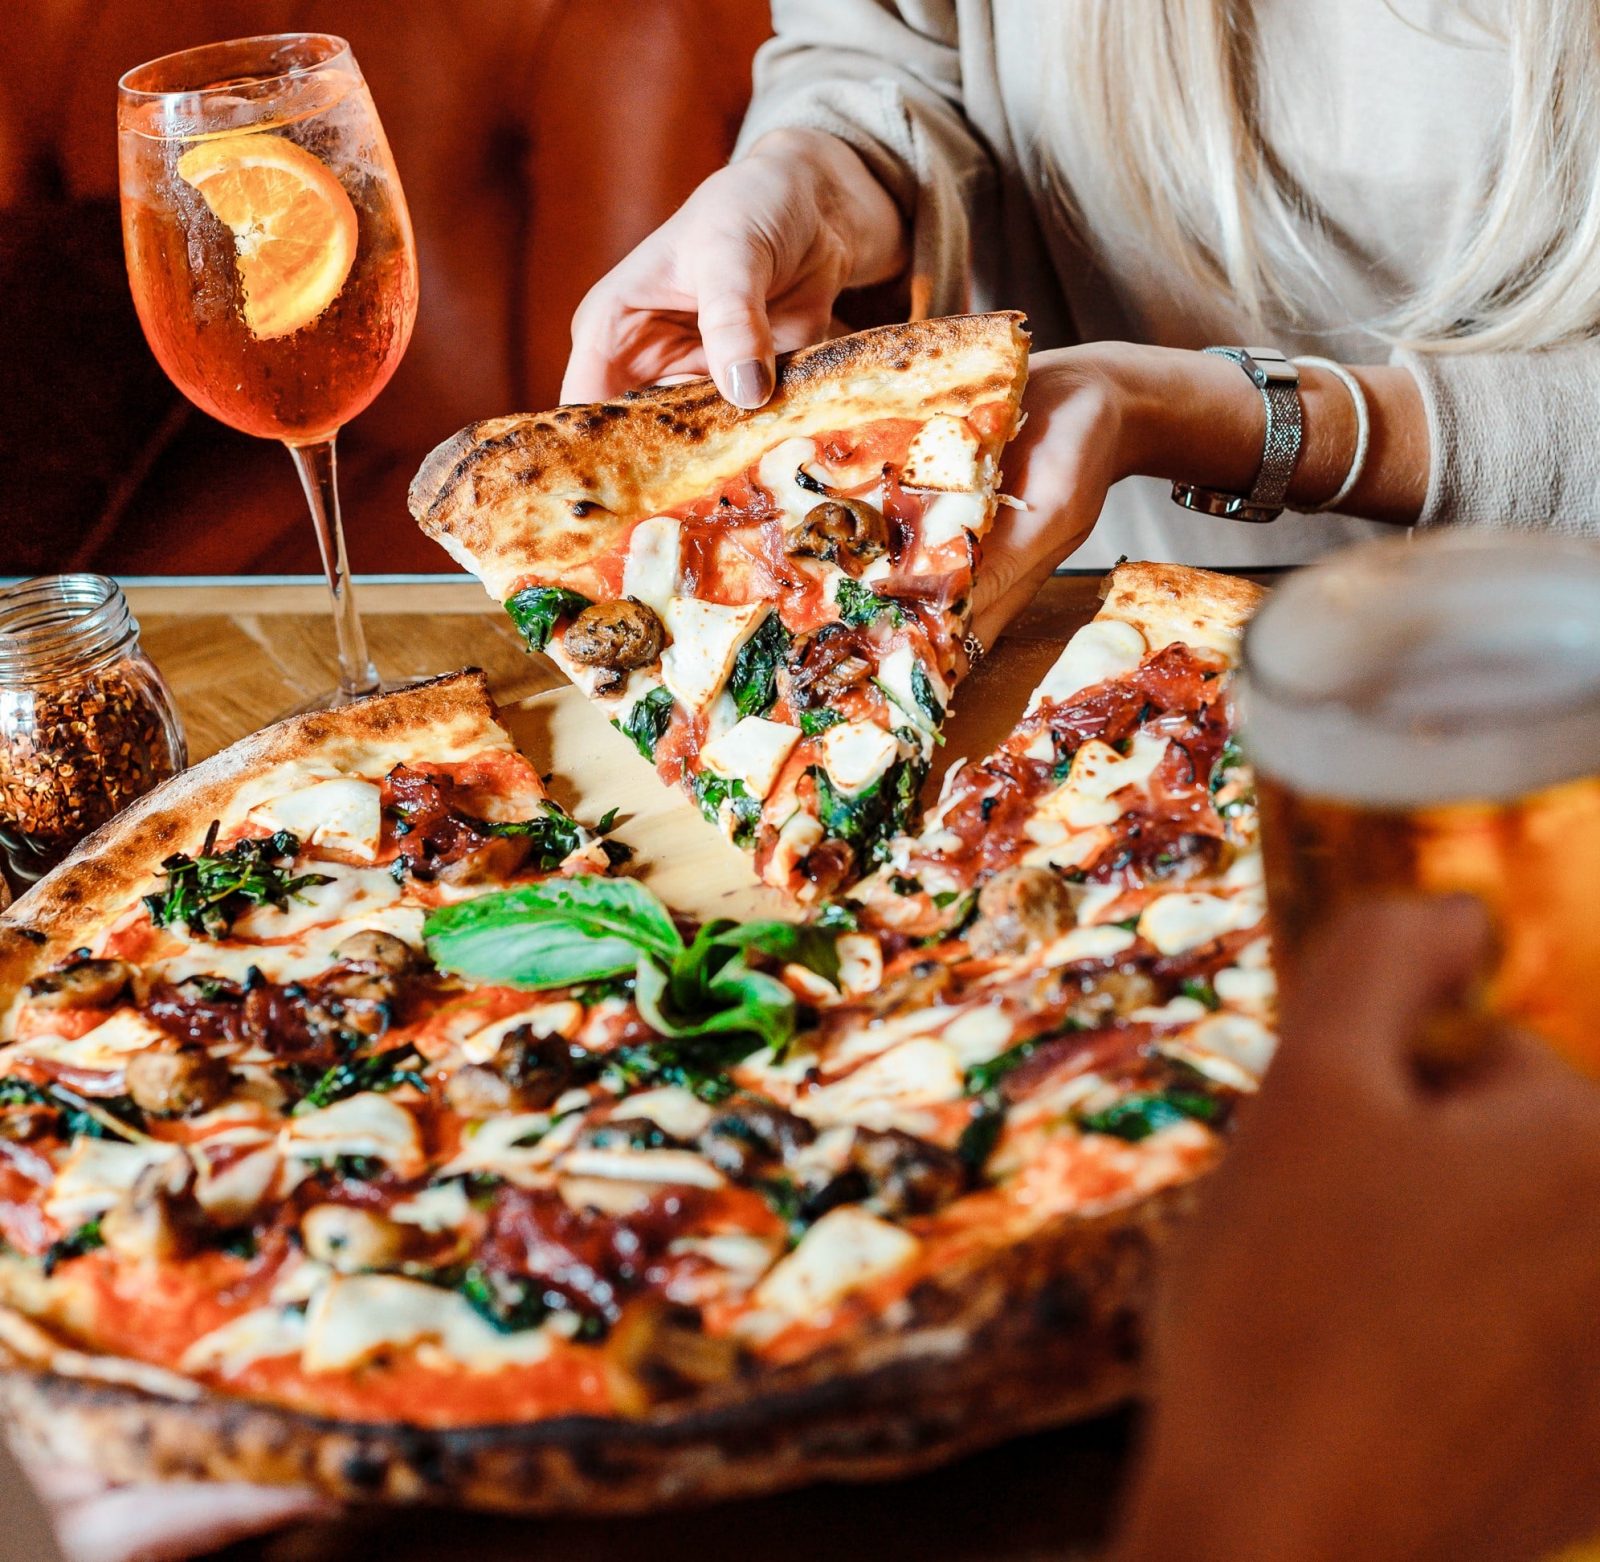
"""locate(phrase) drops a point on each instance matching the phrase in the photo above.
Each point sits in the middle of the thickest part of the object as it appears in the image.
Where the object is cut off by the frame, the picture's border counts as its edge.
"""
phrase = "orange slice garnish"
(294, 229)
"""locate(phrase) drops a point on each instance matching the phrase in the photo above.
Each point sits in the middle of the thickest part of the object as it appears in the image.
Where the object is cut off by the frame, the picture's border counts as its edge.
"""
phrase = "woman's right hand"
(749, 266)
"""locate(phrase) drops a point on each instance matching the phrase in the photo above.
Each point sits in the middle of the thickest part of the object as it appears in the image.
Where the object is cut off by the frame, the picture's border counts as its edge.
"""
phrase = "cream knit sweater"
(1385, 118)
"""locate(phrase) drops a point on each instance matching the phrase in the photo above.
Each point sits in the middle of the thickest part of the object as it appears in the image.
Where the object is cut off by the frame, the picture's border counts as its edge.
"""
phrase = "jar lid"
(53, 625)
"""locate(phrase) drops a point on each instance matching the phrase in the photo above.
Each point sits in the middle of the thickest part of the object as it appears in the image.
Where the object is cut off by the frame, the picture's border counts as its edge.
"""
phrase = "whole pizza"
(365, 1125)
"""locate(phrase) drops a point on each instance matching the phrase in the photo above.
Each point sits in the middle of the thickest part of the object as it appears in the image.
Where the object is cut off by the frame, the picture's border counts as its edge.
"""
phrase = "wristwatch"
(1279, 383)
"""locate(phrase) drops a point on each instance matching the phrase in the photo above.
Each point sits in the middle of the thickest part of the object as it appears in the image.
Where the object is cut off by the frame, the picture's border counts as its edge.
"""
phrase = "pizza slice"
(769, 604)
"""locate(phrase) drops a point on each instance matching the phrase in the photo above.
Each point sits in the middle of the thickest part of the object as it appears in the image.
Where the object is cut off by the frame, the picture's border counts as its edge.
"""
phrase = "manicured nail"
(750, 383)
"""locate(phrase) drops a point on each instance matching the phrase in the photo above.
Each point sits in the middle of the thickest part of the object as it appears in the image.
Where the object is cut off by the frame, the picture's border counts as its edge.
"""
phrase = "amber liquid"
(302, 387)
(1534, 861)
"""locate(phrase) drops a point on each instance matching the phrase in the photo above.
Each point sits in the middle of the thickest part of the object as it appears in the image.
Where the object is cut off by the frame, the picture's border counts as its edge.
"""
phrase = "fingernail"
(749, 383)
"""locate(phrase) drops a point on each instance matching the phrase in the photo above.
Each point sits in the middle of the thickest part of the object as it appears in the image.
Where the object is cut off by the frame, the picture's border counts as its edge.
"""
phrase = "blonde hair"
(1164, 94)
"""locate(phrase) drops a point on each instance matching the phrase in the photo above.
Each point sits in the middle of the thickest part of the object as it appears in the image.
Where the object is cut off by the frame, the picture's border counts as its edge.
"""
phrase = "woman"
(1411, 186)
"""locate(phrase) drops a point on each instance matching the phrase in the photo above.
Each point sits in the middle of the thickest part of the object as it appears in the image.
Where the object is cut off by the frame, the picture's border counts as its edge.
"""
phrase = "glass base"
(334, 698)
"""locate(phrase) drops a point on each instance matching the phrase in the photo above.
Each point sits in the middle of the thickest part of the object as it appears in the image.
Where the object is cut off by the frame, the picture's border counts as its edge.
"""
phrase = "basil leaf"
(753, 679)
(860, 604)
(535, 609)
(747, 1003)
(804, 943)
(647, 722)
(554, 934)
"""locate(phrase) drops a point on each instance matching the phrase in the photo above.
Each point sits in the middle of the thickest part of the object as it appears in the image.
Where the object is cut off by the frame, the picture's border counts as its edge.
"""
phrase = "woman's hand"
(1377, 1337)
(749, 266)
(98, 1522)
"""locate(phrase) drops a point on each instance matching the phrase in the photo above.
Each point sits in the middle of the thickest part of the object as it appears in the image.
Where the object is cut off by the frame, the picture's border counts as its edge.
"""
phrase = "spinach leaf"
(209, 893)
(922, 691)
(555, 834)
(1231, 757)
(506, 1302)
(647, 1065)
(813, 723)
(648, 721)
(535, 609)
(86, 1239)
(1138, 1116)
(555, 934)
(76, 1122)
(1201, 991)
(982, 1132)
(982, 1078)
(753, 679)
(381, 1072)
(860, 604)
(869, 819)
(711, 791)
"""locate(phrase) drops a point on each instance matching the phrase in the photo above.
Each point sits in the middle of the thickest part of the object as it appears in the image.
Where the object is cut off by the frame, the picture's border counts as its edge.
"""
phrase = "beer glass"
(271, 257)
(1425, 716)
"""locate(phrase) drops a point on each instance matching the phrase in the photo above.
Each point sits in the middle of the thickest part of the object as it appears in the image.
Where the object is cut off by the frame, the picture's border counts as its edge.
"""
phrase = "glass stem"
(318, 469)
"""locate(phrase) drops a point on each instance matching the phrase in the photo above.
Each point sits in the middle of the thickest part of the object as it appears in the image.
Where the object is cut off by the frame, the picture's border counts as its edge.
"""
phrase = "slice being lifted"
(769, 604)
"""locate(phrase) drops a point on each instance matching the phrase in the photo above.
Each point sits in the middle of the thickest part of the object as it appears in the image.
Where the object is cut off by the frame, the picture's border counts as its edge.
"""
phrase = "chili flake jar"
(86, 722)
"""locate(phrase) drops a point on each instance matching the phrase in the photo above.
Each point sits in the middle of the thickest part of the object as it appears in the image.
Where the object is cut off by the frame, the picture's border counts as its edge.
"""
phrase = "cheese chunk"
(1088, 943)
(979, 1034)
(672, 1109)
(95, 1175)
(753, 752)
(943, 454)
(262, 1335)
(706, 637)
(1248, 987)
(343, 814)
(650, 571)
(857, 753)
(444, 1207)
(918, 1073)
(860, 963)
(776, 473)
(897, 679)
(846, 1250)
(357, 1317)
(106, 1047)
(1238, 1038)
(367, 1125)
(681, 1167)
(1179, 922)
(517, 1146)
(1106, 648)
(947, 516)
(308, 953)
(1087, 797)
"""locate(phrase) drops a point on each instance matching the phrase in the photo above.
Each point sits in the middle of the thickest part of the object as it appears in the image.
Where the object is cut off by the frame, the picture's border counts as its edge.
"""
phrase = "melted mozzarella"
(349, 892)
(896, 679)
(672, 1109)
(96, 1174)
(776, 473)
(706, 637)
(856, 753)
(918, 1073)
(680, 1167)
(1248, 987)
(846, 1250)
(309, 954)
(367, 1125)
(357, 1317)
(343, 814)
(443, 1207)
(753, 752)
(947, 516)
(105, 1047)
(1105, 648)
(564, 1018)
(860, 963)
(262, 1335)
(1088, 943)
(978, 1035)
(944, 454)
(650, 571)
(1179, 922)
(496, 1146)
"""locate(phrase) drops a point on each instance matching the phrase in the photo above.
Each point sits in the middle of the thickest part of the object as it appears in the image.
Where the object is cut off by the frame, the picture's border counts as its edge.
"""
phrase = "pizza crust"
(1046, 1332)
(112, 866)
(546, 495)
(1177, 602)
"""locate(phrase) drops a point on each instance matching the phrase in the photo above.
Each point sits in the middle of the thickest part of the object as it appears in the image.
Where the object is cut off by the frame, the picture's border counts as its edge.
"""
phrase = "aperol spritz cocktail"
(271, 257)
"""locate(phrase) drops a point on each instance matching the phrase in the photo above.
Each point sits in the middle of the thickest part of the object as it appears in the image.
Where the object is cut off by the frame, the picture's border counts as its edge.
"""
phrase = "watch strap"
(1278, 380)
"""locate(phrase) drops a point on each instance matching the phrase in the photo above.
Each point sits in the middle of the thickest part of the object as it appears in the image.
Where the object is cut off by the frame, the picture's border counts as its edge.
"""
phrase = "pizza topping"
(650, 571)
(1018, 909)
(847, 532)
(529, 1072)
(180, 1083)
(342, 814)
(366, 1126)
(536, 610)
(782, 473)
(158, 1218)
(1103, 650)
(827, 666)
(645, 720)
(352, 1240)
(209, 893)
(847, 1249)
(857, 753)
(753, 752)
(944, 454)
(1177, 923)
(706, 637)
(618, 636)
(80, 984)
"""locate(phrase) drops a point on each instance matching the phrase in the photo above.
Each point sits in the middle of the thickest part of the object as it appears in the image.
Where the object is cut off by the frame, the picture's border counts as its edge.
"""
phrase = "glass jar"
(86, 722)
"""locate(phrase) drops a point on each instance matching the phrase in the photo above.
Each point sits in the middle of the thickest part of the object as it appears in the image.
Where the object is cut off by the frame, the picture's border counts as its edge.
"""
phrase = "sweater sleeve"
(1514, 438)
(885, 77)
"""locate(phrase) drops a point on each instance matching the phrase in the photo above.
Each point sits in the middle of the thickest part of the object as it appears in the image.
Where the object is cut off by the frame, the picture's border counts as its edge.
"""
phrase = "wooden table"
(238, 654)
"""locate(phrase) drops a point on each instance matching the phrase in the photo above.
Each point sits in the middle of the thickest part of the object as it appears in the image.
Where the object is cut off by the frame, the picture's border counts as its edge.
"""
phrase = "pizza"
(364, 1125)
(770, 605)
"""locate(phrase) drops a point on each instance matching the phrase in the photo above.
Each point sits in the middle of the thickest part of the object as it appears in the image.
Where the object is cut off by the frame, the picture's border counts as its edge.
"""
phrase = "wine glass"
(271, 258)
